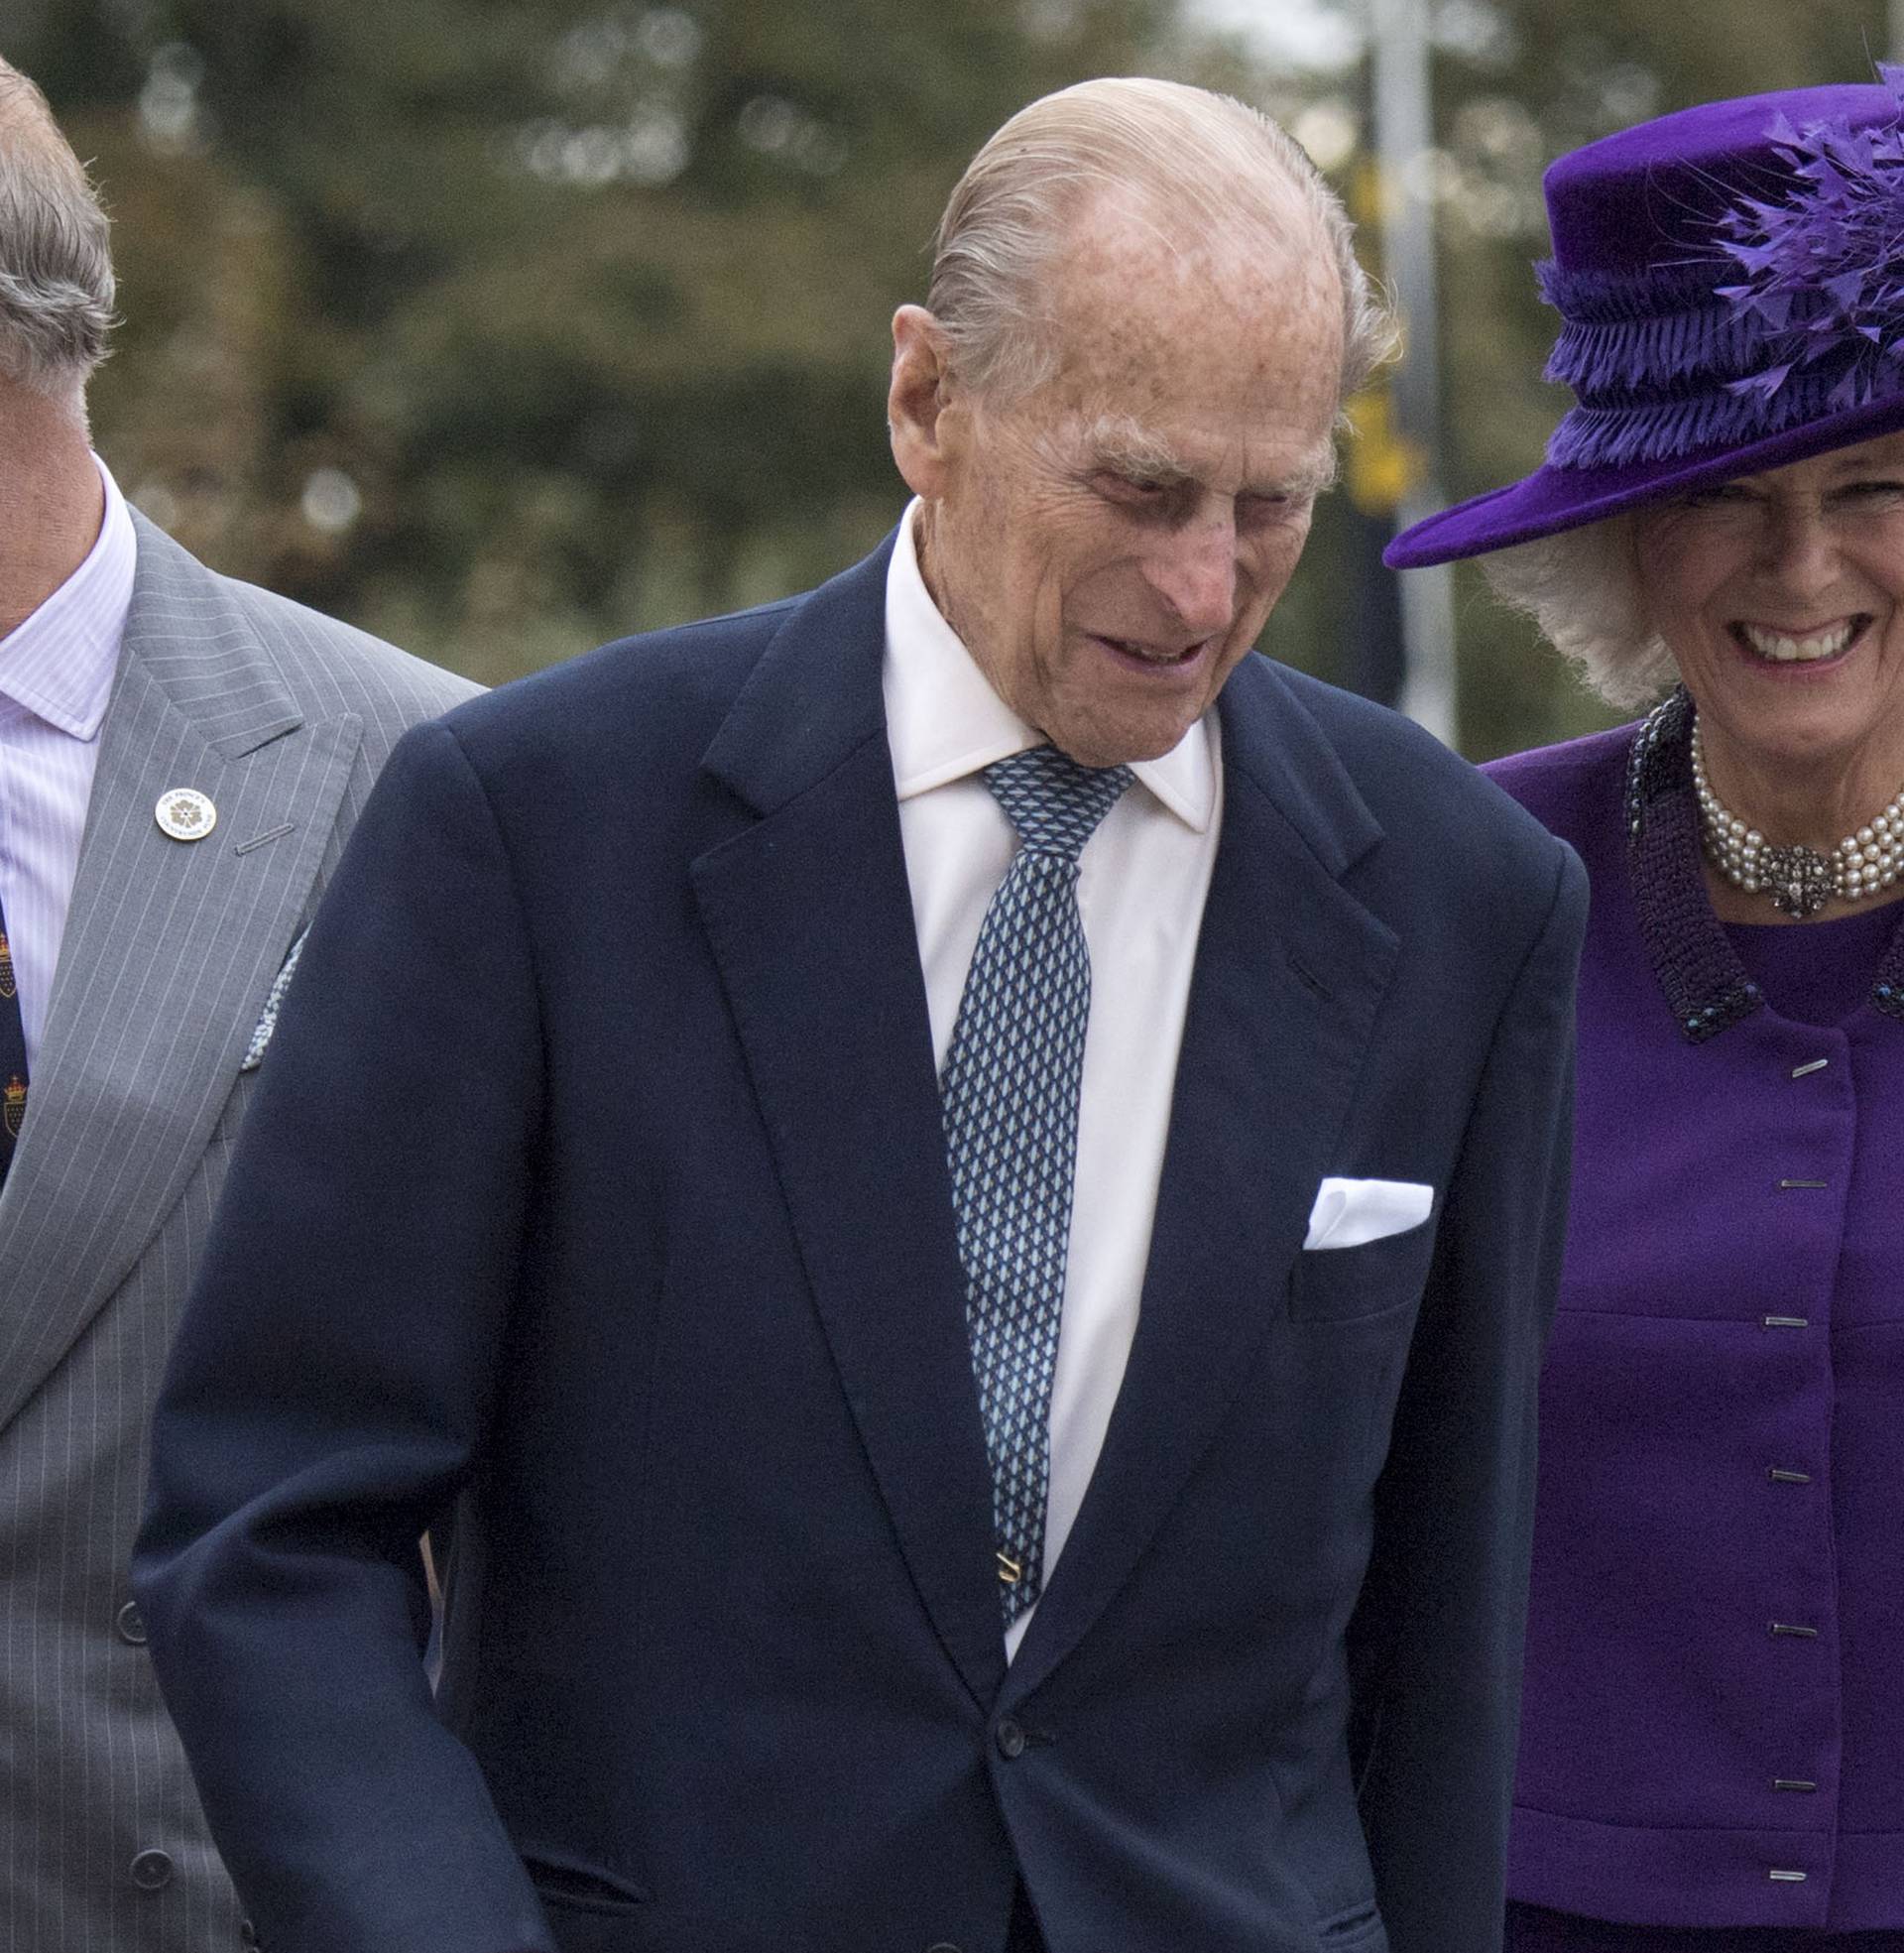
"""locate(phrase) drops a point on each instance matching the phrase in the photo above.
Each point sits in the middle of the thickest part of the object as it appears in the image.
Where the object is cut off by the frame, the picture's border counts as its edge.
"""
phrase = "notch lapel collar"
(809, 915)
(1290, 970)
(168, 950)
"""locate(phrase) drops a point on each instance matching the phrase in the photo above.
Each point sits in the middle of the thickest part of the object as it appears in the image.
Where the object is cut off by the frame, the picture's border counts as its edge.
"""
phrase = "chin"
(1127, 749)
(1804, 747)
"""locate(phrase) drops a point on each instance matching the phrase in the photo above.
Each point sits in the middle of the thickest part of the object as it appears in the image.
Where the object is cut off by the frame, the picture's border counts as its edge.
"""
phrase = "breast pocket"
(1345, 1284)
(1357, 1930)
(567, 1884)
(587, 1911)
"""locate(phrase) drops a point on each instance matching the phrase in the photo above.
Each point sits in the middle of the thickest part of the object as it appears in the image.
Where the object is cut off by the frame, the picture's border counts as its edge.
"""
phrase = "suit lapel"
(808, 912)
(809, 915)
(169, 951)
(1290, 970)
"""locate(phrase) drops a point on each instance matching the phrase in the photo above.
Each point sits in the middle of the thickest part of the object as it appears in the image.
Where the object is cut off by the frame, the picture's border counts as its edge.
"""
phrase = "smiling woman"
(1778, 596)
(1713, 1745)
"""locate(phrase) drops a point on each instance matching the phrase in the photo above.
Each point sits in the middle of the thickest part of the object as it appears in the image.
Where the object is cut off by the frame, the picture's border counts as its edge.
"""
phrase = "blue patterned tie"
(1011, 1102)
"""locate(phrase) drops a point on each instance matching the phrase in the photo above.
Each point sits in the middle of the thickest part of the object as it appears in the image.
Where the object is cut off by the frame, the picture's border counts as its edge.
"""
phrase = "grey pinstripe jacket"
(283, 718)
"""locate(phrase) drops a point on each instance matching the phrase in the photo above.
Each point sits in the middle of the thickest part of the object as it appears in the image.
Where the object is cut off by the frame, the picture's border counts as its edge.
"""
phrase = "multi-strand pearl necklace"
(1798, 880)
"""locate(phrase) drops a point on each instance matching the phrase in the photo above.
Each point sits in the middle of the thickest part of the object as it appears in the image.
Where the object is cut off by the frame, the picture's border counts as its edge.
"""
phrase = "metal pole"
(1405, 132)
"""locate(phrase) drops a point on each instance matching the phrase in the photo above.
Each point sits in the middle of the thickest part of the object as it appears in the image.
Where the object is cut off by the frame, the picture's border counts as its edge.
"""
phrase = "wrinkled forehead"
(1206, 337)
(1124, 273)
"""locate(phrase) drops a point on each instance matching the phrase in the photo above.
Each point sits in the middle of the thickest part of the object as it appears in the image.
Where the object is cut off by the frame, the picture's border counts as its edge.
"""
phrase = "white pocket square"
(1348, 1212)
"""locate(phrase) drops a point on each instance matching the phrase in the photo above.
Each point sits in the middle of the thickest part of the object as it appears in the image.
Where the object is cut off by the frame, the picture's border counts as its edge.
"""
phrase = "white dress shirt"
(55, 676)
(1143, 877)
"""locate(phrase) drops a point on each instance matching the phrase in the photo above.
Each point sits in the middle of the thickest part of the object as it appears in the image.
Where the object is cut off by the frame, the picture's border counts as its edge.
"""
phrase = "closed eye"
(1270, 507)
(1173, 499)
(1139, 490)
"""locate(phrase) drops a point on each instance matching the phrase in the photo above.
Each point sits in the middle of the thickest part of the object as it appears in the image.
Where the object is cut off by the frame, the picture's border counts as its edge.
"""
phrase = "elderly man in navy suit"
(956, 1181)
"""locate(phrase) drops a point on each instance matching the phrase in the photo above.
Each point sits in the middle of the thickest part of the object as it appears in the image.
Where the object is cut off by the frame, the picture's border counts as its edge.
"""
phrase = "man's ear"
(922, 390)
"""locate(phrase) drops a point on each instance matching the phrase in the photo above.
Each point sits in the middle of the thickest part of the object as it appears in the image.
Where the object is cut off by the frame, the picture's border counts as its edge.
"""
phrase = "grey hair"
(1179, 146)
(1582, 588)
(56, 262)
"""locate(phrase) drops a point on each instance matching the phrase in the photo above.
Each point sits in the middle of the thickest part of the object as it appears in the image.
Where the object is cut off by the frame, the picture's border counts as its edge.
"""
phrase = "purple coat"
(1713, 1727)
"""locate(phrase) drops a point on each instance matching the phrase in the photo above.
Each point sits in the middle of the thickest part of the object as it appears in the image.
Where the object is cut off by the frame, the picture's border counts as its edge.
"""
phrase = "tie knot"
(1053, 803)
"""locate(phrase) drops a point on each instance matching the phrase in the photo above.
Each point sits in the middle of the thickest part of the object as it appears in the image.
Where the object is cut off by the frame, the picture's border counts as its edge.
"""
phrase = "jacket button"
(1011, 1739)
(130, 1625)
(247, 1932)
(152, 1870)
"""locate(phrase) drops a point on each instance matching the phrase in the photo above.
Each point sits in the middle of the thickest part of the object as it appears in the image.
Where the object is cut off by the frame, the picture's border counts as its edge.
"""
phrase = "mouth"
(1154, 657)
(1816, 644)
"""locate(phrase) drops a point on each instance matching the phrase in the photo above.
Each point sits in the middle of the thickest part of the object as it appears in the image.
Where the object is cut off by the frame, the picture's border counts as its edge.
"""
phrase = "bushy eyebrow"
(1318, 474)
(1119, 442)
(1125, 447)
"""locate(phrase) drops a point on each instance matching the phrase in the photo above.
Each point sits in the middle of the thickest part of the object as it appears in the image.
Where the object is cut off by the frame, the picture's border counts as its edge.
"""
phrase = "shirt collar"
(943, 720)
(59, 663)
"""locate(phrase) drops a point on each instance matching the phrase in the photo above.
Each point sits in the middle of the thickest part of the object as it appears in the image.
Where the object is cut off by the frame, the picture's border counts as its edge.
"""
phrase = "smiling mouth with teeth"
(1781, 647)
(1150, 655)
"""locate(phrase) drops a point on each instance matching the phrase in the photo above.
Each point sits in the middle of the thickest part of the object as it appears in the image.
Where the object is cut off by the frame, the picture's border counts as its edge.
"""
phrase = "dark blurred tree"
(504, 325)
(501, 328)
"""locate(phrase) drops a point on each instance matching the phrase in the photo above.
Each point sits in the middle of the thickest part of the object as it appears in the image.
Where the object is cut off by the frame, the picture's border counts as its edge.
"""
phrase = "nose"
(1194, 572)
(1797, 547)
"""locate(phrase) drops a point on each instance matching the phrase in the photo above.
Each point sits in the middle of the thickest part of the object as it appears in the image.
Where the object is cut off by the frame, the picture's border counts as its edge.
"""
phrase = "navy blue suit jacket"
(595, 1187)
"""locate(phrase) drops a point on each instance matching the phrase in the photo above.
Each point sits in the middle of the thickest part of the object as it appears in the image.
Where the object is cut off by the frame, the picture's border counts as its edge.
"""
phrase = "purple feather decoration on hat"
(1796, 312)
(1823, 266)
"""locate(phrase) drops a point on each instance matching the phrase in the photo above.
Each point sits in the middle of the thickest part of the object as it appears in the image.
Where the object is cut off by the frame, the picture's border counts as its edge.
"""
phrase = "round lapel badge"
(186, 813)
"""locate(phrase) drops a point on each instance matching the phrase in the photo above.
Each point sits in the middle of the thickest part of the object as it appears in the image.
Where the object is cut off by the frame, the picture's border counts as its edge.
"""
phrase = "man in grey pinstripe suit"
(181, 760)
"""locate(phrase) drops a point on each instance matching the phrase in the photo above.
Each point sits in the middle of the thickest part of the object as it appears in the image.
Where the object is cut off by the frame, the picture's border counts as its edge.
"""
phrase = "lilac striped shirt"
(56, 676)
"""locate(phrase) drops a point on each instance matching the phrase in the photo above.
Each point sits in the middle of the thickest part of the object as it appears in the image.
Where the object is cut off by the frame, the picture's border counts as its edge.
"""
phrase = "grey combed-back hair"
(1582, 588)
(56, 262)
(1199, 156)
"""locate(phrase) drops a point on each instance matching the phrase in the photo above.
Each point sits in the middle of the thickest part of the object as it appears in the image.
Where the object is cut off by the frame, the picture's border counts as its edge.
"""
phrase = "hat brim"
(1555, 499)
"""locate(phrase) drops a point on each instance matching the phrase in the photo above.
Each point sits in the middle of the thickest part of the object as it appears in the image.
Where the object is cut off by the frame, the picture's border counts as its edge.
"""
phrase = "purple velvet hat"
(1731, 285)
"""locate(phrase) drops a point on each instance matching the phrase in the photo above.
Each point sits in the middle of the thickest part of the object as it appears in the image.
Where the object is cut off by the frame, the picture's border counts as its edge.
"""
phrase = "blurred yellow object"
(1383, 466)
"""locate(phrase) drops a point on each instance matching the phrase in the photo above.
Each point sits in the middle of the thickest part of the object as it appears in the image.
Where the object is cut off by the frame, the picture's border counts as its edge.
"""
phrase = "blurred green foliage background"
(504, 326)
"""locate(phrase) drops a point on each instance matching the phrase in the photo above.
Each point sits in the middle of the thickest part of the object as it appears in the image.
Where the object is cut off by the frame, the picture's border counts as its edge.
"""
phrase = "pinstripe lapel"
(169, 951)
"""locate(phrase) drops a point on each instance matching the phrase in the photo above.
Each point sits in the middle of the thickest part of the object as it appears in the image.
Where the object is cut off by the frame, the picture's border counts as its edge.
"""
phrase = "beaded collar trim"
(1705, 983)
